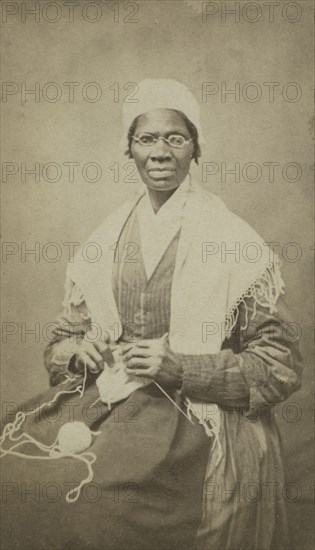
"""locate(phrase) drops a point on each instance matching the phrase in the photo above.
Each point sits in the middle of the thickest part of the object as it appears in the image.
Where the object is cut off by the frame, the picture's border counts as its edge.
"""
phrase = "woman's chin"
(161, 184)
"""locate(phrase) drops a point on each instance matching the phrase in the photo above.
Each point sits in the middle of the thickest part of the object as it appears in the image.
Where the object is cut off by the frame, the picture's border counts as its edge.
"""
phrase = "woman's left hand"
(154, 359)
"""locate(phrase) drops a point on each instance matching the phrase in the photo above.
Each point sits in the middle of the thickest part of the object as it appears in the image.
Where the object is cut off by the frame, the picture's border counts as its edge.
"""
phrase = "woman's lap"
(147, 486)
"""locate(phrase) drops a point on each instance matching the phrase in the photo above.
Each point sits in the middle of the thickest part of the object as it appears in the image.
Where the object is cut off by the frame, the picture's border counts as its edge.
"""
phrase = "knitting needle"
(177, 407)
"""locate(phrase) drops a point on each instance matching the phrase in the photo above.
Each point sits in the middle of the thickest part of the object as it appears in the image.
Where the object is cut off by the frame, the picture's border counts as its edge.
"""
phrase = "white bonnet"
(162, 94)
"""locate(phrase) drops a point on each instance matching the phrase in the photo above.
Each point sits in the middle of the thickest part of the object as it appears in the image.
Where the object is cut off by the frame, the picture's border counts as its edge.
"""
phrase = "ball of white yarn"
(74, 437)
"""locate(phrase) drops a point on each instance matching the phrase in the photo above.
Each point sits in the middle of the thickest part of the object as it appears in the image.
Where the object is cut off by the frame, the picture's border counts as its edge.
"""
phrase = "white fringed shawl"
(220, 261)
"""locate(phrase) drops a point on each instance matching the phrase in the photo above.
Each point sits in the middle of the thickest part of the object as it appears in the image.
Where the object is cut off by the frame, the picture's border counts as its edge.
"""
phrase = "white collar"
(158, 229)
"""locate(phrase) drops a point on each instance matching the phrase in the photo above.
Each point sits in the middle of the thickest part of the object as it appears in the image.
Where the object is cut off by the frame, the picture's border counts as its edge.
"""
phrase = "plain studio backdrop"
(83, 59)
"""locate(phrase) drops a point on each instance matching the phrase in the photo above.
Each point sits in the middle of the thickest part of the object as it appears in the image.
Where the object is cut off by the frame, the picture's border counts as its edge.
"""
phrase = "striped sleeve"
(256, 367)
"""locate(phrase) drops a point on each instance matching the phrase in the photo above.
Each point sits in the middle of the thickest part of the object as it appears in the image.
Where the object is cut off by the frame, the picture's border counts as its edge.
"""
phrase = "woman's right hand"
(90, 355)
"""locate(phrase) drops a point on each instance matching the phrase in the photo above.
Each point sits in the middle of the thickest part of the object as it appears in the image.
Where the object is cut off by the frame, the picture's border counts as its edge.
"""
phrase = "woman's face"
(161, 166)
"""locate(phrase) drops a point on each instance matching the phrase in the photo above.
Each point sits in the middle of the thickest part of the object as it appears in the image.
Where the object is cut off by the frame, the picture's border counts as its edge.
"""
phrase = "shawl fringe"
(73, 296)
(265, 291)
(211, 425)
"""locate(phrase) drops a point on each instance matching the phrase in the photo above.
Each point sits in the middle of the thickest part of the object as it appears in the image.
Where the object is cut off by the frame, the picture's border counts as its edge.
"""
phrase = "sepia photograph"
(157, 298)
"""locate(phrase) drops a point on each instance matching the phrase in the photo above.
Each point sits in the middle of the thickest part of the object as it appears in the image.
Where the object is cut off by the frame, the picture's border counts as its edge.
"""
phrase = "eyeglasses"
(175, 140)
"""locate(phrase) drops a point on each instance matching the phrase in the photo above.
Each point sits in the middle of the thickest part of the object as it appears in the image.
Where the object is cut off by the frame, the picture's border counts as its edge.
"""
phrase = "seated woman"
(179, 349)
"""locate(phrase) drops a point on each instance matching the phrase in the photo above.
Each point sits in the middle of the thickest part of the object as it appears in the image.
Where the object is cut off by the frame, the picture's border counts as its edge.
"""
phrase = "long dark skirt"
(146, 492)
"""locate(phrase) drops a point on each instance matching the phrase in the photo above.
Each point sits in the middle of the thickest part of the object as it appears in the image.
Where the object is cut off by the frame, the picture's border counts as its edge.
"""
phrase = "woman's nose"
(160, 151)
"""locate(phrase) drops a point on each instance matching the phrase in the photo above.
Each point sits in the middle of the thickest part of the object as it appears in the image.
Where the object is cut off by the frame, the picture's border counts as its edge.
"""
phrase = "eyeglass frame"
(156, 139)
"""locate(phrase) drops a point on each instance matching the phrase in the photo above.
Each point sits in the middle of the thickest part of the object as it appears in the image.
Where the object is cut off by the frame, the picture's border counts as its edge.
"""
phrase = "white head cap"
(162, 94)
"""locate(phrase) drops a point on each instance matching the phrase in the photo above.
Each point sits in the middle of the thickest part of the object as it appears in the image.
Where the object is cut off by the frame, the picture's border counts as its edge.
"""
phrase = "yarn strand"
(54, 450)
